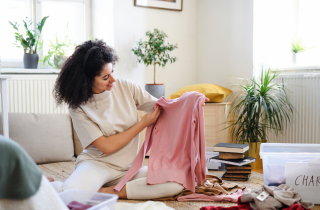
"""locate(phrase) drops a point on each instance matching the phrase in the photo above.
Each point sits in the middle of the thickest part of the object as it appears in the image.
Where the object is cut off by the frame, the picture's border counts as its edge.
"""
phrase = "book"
(237, 162)
(227, 147)
(235, 177)
(230, 155)
(241, 176)
(239, 172)
(229, 167)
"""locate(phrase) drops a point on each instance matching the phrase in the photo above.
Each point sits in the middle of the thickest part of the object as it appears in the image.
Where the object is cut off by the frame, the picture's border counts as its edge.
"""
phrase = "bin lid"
(267, 149)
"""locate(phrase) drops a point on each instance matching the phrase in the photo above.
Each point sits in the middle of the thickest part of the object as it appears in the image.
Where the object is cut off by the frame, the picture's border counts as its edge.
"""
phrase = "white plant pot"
(294, 58)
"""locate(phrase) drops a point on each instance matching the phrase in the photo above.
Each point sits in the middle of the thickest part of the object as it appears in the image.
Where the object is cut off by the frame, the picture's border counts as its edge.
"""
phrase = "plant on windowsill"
(155, 52)
(297, 47)
(30, 42)
(258, 108)
(57, 54)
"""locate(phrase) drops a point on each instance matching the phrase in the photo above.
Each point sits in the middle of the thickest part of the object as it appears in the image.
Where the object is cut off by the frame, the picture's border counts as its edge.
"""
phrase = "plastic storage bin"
(275, 156)
(99, 201)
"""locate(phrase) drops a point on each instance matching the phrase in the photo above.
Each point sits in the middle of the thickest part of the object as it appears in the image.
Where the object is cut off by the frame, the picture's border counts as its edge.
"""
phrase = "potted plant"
(57, 53)
(155, 52)
(30, 42)
(296, 47)
(259, 107)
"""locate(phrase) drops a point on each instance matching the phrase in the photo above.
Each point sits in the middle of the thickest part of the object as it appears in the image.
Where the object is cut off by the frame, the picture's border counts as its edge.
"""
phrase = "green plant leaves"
(154, 51)
(31, 40)
(258, 108)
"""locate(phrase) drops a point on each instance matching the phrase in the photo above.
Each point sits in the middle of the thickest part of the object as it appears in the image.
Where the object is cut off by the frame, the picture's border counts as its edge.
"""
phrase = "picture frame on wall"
(175, 5)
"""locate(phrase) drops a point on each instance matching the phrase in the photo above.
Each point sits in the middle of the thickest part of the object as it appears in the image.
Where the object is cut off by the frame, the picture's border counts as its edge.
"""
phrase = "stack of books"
(237, 165)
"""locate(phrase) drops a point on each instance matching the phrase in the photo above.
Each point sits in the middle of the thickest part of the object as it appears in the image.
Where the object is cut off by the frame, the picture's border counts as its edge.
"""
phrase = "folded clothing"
(246, 206)
(217, 198)
(279, 197)
(211, 186)
(75, 205)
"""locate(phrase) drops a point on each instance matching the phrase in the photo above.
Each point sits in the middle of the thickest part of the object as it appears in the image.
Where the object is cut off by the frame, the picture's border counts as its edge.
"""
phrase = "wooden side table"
(4, 104)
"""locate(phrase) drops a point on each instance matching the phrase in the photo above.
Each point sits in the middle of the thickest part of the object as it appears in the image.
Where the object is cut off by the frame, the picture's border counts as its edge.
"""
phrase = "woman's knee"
(172, 188)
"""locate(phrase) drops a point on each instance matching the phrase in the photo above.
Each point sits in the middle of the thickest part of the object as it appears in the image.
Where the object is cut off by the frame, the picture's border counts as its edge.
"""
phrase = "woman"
(104, 115)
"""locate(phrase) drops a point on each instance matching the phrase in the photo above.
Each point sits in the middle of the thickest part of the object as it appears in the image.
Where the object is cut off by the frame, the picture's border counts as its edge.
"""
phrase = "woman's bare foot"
(50, 179)
(122, 194)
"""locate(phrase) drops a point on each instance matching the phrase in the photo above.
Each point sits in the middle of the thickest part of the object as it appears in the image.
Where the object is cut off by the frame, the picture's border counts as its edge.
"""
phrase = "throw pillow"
(213, 92)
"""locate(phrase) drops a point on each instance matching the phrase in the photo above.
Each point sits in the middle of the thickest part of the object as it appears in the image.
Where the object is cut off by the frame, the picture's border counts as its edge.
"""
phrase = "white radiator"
(33, 94)
(304, 94)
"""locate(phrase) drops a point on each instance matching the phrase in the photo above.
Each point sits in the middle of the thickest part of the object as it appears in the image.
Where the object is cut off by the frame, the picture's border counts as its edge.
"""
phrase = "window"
(277, 24)
(66, 17)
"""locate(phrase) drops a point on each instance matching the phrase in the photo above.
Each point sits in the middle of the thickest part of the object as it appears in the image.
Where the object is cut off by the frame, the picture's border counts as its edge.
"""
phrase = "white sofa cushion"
(46, 137)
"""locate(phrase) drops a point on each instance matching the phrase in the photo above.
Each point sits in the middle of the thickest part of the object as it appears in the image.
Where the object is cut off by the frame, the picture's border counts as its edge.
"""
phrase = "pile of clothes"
(274, 197)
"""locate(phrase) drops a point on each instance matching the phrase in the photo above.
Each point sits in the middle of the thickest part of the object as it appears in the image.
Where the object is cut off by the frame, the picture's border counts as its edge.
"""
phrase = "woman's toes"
(50, 179)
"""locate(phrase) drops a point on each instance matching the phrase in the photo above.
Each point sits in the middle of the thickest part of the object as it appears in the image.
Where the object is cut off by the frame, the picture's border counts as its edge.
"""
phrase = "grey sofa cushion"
(46, 137)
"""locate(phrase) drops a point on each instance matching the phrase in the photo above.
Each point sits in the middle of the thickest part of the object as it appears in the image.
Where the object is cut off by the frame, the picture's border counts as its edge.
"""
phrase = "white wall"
(215, 40)
(132, 22)
(224, 41)
(103, 20)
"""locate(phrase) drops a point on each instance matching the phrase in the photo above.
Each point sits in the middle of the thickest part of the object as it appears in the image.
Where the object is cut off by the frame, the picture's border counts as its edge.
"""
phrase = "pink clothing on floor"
(75, 205)
(178, 144)
(215, 198)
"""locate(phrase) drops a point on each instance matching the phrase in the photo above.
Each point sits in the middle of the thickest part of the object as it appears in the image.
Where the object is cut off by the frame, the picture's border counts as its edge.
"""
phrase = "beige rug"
(62, 170)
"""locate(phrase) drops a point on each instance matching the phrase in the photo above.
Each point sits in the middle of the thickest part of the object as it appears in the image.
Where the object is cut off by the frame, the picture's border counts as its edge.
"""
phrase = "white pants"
(91, 175)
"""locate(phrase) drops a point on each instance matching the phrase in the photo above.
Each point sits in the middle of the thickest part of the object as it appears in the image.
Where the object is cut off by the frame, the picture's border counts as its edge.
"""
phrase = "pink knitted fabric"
(178, 144)
(215, 198)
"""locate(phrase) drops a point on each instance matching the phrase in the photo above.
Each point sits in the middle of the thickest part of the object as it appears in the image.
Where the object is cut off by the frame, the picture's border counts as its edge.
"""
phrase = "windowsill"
(295, 69)
(28, 71)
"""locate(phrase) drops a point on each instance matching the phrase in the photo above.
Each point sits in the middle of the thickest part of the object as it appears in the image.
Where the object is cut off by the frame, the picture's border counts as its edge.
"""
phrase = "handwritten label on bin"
(305, 179)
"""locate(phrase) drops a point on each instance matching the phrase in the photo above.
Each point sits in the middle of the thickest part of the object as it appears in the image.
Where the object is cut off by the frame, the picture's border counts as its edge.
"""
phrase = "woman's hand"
(207, 100)
(151, 118)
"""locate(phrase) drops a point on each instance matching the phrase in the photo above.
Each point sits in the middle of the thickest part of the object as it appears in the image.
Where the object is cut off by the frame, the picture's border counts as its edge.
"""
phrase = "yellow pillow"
(215, 93)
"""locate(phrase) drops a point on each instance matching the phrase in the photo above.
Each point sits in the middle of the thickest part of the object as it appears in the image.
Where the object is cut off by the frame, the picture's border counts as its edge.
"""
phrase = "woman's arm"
(111, 144)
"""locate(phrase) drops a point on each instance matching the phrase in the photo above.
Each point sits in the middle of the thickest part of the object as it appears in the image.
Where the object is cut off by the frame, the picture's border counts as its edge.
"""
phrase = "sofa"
(47, 138)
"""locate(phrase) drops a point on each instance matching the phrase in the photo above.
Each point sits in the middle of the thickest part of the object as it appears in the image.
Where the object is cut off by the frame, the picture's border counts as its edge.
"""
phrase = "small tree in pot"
(30, 42)
(155, 52)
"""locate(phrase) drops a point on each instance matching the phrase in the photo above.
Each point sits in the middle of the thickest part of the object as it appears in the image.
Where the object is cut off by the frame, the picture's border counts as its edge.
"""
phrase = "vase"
(156, 90)
(30, 61)
(59, 60)
(254, 149)
(294, 58)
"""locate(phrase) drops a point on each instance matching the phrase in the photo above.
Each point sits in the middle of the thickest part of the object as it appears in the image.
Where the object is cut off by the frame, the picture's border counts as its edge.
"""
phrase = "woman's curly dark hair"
(73, 85)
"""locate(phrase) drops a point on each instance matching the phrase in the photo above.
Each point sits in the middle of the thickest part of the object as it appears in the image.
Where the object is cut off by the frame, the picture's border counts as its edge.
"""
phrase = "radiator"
(304, 94)
(33, 94)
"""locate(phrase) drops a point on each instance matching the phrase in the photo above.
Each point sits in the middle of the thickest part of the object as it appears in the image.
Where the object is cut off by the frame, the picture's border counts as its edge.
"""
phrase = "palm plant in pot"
(29, 42)
(155, 52)
(257, 109)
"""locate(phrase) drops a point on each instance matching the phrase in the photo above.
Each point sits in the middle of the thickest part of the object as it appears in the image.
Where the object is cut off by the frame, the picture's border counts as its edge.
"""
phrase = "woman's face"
(105, 80)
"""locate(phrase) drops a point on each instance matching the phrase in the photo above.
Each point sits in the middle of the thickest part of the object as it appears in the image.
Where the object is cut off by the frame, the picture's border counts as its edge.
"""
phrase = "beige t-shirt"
(109, 113)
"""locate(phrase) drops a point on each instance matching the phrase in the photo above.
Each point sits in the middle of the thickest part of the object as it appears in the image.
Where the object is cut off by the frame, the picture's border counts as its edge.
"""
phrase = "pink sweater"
(178, 144)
